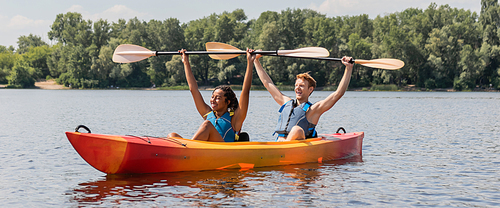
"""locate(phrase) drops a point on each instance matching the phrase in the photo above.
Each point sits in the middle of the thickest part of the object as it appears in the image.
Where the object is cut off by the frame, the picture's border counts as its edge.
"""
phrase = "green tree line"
(441, 46)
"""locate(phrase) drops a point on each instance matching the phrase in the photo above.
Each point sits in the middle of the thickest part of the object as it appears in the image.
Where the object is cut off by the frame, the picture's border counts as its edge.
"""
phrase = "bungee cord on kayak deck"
(164, 138)
(173, 140)
(141, 138)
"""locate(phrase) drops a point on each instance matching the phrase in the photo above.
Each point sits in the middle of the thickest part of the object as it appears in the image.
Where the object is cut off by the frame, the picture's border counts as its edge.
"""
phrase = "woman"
(225, 115)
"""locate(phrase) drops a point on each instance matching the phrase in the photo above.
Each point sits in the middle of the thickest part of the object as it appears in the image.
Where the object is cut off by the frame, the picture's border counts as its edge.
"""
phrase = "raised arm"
(200, 104)
(268, 83)
(322, 106)
(241, 111)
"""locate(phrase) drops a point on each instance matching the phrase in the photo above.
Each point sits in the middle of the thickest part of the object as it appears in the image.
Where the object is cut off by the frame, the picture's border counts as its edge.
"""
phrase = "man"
(299, 117)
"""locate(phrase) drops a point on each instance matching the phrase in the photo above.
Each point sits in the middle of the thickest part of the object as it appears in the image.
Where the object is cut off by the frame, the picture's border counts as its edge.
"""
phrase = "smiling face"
(302, 89)
(218, 100)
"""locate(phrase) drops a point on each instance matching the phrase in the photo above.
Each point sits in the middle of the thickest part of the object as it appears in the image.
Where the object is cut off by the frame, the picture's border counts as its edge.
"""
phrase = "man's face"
(302, 89)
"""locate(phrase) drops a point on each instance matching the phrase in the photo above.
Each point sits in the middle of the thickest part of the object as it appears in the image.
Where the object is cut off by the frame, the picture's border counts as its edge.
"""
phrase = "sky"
(24, 17)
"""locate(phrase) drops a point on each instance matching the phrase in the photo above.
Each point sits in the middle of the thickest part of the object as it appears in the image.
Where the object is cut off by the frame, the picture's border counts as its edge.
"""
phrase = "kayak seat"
(243, 137)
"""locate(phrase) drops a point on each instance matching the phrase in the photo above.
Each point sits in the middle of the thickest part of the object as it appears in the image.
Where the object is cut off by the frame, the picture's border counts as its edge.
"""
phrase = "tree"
(117, 29)
(490, 23)
(26, 42)
(101, 33)
(21, 75)
(361, 49)
(228, 28)
(175, 68)
(470, 66)
(256, 28)
(37, 58)
(7, 60)
(444, 48)
(269, 38)
(391, 40)
(57, 60)
(163, 36)
(322, 31)
(78, 65)
(291, 31)
(103, 65)
(66, 27)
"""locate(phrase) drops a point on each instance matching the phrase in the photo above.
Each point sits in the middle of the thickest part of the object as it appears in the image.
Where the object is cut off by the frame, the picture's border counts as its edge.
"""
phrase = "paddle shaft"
(158, 53)
(269, 53)
(316, 58)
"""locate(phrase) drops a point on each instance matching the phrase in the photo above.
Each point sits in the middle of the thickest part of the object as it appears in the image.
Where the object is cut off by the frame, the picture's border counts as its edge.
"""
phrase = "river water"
(438, 149)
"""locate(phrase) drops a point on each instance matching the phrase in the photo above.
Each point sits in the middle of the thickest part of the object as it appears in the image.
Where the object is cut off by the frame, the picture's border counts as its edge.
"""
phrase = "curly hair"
(229, 94)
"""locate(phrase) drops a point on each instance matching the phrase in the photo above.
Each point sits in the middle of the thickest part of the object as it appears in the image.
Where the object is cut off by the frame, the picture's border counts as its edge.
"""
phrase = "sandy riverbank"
(49, 85)
(46, 85)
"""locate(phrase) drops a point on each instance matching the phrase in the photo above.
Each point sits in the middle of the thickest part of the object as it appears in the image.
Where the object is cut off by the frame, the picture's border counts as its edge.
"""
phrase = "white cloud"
(112, 14)
(76, 8)
(335, 7)
(19, 22)
(13, 28)
(121, 12)
(381, 7)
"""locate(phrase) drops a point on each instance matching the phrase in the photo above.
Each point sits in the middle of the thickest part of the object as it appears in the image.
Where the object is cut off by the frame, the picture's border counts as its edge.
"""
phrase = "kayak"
(114, 154)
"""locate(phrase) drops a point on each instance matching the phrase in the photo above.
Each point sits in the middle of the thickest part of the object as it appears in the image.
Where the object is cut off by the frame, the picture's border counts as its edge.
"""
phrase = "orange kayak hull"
(113, 154)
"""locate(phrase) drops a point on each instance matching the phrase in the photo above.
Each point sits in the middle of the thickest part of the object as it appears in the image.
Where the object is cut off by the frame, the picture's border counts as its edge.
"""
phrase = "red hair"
(310, 80)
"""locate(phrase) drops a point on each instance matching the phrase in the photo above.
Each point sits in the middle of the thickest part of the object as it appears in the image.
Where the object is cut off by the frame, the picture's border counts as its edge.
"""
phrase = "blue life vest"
(223, 125)
(291, 115)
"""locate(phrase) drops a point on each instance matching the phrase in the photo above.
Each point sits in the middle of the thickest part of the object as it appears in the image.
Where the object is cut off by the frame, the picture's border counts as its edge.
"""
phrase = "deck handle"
(82, 126)
(340, 128)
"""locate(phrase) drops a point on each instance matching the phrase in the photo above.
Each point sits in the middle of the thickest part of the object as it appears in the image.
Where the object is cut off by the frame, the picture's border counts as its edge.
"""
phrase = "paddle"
(383, 63)
(307, 53)
(128, 53)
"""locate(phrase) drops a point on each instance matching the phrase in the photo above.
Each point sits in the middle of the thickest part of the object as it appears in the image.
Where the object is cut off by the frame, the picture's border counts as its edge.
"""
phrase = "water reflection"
(204, 188)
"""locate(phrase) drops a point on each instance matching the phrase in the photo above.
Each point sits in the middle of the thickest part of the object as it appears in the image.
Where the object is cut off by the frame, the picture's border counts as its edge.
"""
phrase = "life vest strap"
(283, 106)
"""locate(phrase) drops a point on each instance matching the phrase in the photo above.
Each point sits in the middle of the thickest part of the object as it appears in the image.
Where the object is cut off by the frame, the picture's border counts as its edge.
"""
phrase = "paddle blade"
(128, 53)
(385, 63)
(223, 56)
(305, 52)
(222, 47)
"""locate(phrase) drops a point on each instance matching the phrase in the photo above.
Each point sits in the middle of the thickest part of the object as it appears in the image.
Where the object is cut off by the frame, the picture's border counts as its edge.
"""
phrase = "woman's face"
(218, 101)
